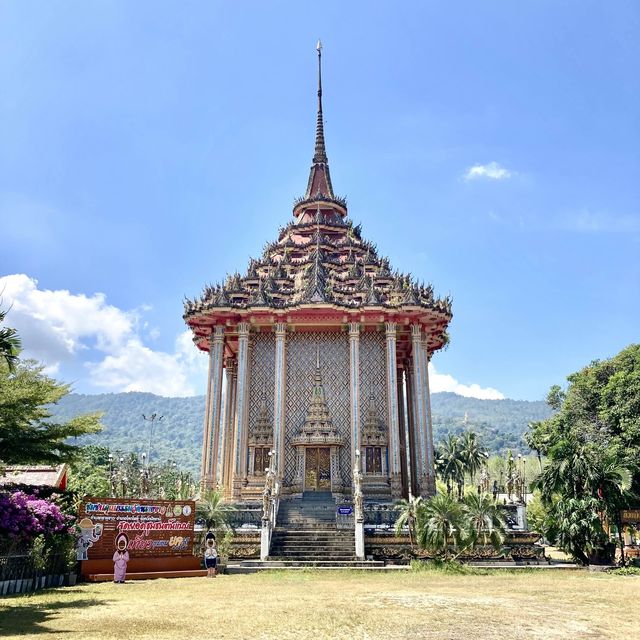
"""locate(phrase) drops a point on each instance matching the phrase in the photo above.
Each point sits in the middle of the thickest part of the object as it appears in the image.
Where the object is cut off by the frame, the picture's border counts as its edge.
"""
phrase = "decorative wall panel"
(373, 376)
(262, 375)
(302, 348)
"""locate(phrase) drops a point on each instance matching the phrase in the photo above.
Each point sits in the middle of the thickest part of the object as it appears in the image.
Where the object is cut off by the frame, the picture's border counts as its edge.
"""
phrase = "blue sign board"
(345, 511)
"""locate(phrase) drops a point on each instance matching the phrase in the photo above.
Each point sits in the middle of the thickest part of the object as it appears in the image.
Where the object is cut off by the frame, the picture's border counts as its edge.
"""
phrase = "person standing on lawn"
(211, 555)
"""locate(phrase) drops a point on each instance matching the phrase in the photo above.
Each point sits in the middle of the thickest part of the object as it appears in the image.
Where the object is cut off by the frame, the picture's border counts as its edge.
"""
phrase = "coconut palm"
(473, 454)
(211, 509)
(449, 463)
(485, 524)
(408, 511)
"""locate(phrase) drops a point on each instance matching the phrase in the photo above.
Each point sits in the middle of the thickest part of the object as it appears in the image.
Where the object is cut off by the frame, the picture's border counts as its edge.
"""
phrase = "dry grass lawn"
(317, 605)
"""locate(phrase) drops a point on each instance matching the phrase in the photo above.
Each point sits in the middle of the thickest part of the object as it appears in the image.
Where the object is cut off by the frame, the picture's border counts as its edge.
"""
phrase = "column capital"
(243, 329)
(354, 329)
(416, 332)
(391, 328)
(230, 364)
(217, 335)
(280, 328)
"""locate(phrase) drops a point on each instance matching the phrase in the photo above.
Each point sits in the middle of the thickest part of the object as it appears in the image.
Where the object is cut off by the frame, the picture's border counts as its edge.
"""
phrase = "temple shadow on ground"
(24, 614)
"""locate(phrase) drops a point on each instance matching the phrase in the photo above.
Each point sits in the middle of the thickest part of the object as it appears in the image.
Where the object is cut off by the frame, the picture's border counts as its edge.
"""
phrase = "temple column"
(392, 416)
(411, 428)
(354, 388)
(212, 410)
(402, 428)
(280, 378)
(419, 457)
(242, 410)
(430, 470)
(206, 427)
(229, 424)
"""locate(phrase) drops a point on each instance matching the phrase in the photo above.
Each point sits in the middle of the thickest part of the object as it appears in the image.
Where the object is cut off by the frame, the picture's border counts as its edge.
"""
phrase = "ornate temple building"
(324, 349)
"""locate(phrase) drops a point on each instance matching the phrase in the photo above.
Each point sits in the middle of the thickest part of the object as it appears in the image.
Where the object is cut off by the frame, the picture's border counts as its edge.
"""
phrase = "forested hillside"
(178, 436)
(500, 423)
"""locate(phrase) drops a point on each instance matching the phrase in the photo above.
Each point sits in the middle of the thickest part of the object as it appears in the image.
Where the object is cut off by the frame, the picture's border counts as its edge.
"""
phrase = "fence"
(245, 518)
(23, 574)
(380, 516)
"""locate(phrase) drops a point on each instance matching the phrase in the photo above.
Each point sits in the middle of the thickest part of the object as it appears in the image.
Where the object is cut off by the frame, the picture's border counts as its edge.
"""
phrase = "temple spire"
(320, 154)
(319, 187)
(319, 184)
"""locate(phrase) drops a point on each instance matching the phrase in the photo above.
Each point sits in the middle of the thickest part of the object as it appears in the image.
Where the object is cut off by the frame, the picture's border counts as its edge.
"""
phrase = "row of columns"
(410, 432)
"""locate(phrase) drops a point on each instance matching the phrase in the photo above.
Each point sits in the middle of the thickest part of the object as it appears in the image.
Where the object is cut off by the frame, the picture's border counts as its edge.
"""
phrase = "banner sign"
(631, 515)
(151, 528)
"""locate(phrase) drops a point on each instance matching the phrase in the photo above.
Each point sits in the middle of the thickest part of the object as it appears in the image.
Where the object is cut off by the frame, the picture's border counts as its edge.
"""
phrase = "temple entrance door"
(317, 469)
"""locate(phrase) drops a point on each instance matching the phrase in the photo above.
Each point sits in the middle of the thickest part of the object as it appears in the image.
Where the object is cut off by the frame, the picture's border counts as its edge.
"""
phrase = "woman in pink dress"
(120, 558)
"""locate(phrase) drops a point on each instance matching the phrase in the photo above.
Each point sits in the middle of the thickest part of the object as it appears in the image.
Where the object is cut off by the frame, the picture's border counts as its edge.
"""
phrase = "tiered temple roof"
(319, 260)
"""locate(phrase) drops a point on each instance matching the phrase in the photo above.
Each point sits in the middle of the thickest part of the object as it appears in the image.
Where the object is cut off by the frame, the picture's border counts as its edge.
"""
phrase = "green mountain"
(178, 436)
(500, 423)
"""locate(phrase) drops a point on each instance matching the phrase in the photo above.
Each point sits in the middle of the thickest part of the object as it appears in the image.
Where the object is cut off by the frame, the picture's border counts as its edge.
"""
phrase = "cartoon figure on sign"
(210, 555)
(89, 533)
(120, 558)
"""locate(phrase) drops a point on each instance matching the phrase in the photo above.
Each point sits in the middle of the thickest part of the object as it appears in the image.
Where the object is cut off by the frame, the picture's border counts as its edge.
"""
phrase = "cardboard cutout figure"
(89, 533)
(120, 558)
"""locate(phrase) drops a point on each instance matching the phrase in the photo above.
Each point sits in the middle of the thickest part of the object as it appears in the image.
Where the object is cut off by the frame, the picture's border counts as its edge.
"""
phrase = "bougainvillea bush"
(23, 517)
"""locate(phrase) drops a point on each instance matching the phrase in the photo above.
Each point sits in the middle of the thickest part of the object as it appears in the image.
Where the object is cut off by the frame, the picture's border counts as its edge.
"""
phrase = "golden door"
(317, 475)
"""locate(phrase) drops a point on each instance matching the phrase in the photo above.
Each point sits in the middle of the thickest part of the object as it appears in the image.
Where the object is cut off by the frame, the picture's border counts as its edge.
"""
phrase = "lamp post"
(144, 476)
(123, 478)
(151, 419)
(520, 483)
(112, 477)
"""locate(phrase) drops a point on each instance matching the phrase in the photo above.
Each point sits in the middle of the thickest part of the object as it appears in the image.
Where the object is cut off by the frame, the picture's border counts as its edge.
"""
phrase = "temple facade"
(324, 352)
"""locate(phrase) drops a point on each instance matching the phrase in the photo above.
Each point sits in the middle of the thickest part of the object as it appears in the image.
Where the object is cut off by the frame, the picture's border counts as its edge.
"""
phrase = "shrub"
(24, 517)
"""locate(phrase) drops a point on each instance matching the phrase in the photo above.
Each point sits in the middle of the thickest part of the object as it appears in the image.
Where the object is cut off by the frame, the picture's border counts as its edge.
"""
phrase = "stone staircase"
(312, 511)
(319, 547)
(306, 536)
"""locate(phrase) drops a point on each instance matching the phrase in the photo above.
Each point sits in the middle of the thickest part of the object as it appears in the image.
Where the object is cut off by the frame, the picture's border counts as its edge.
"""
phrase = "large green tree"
(28, 435)
(592, 445)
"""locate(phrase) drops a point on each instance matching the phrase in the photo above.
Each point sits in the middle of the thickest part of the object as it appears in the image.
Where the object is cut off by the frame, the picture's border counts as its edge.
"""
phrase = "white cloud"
(491, 171)
(136, 367)
(59, 327)
(445, 382)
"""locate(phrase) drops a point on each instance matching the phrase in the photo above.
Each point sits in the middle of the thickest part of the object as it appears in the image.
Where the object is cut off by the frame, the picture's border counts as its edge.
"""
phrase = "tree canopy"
(592, 445)
(28, 435)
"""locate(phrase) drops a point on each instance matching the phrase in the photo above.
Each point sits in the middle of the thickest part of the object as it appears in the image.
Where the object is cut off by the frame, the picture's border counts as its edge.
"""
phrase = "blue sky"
(488, 147)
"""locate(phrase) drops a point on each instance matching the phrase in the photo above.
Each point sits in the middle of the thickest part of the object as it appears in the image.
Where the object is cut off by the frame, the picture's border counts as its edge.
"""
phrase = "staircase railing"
(270, 506)
(358, 508)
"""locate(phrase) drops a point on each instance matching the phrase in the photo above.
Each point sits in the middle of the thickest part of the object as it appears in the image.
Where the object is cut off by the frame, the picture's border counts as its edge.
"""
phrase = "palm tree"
(576, 527)
(485, 524)
(9, 344)
(440, 525)
(594, 484)
(449, 463)
(473, 454)
(212, 509)
(408, 511)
